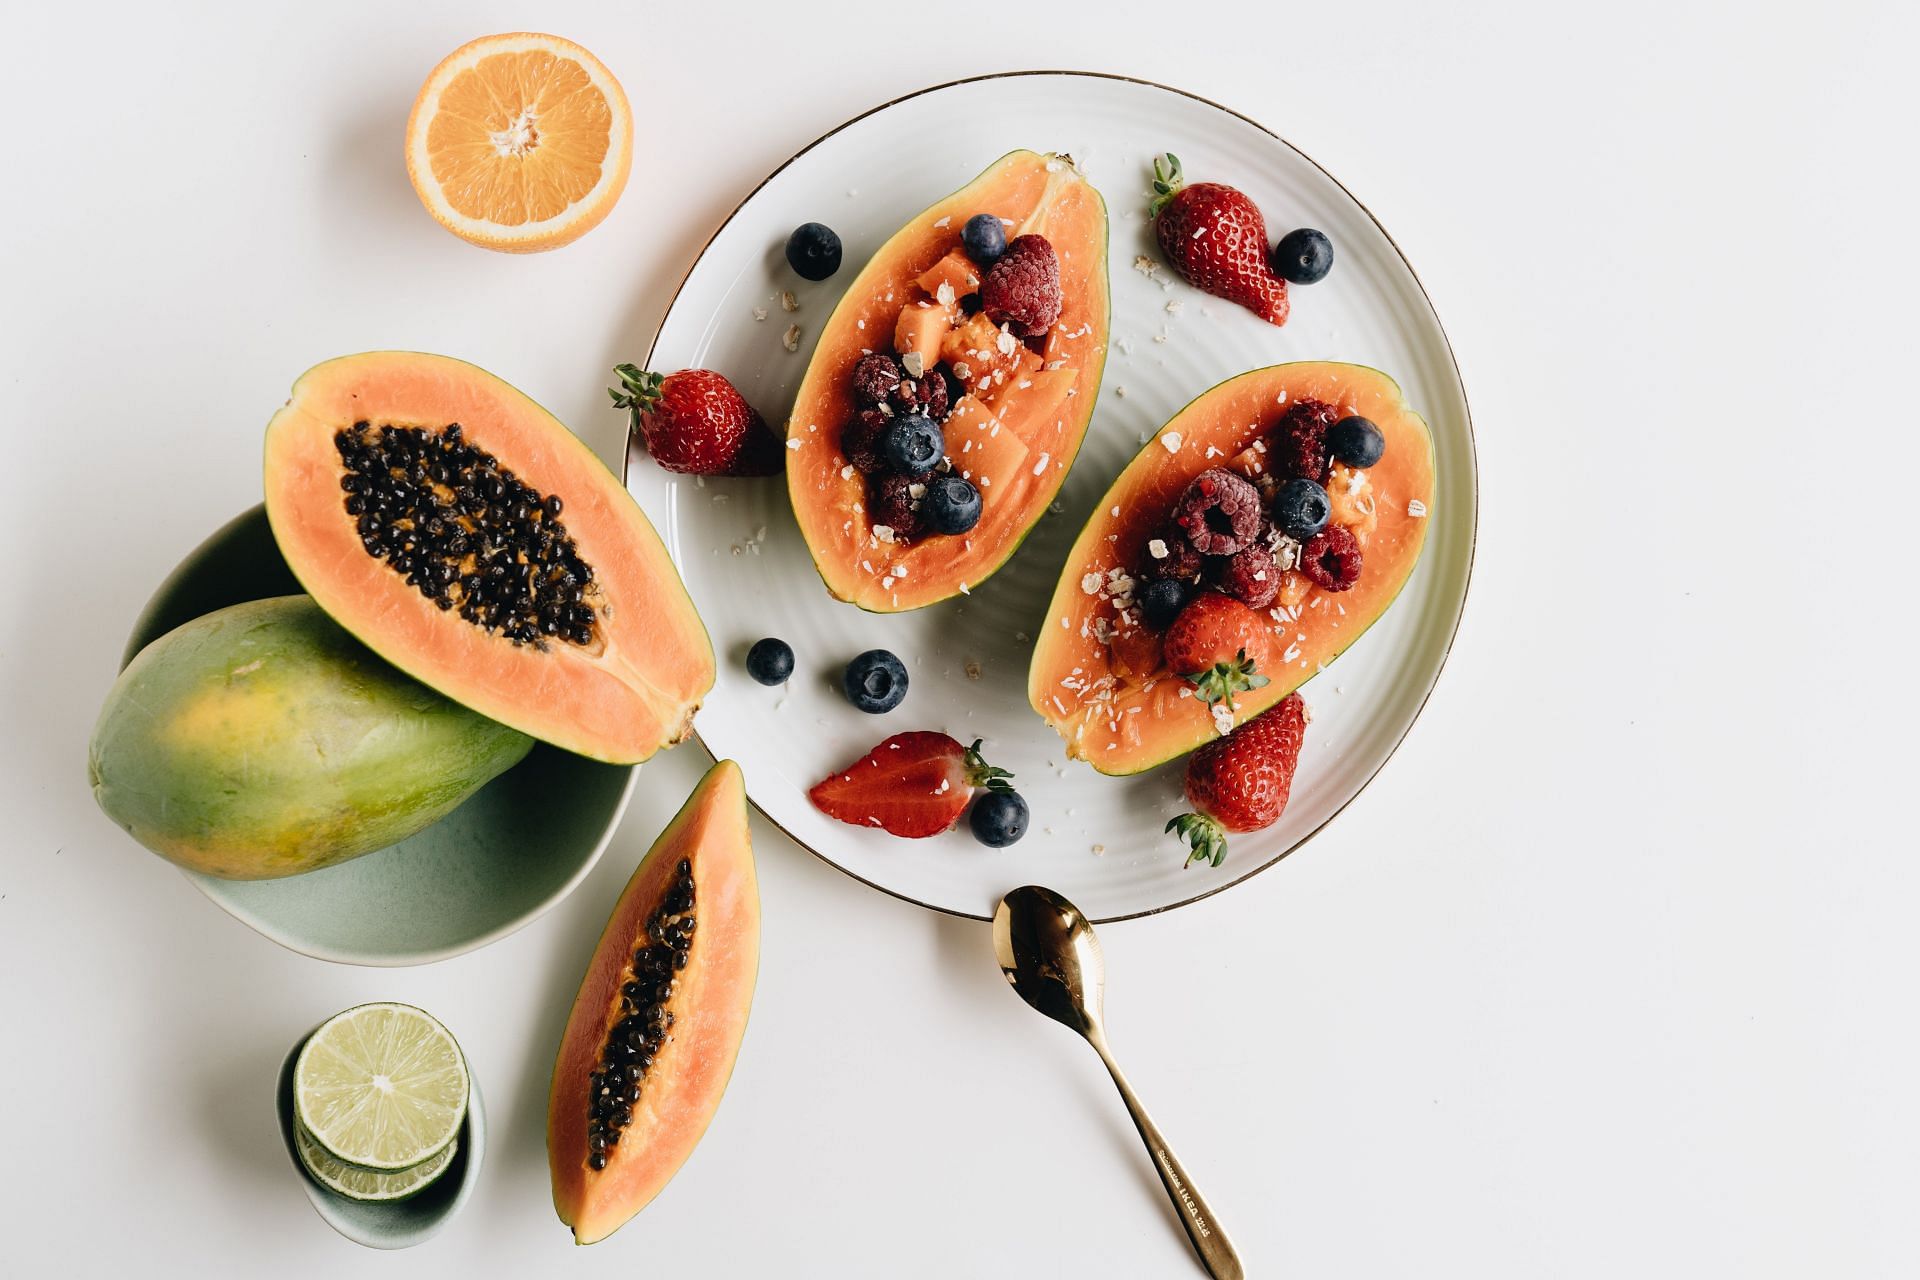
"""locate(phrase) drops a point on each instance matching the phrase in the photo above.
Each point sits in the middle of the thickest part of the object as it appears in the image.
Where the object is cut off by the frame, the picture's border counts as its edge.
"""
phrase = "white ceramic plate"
(1098, 840)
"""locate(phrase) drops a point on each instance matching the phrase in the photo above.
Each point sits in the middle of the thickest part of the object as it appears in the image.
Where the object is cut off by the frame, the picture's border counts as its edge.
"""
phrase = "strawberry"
(913, 784)
(1216, 644)
(1240, 782)
(1214, 236)
(695, 421)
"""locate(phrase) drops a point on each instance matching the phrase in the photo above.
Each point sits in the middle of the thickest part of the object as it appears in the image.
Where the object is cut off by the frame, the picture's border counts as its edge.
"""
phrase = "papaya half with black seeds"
(463, 533)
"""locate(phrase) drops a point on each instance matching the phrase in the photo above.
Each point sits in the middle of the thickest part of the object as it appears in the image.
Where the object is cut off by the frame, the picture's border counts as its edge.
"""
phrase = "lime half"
(355, 1183)
(382, 1086)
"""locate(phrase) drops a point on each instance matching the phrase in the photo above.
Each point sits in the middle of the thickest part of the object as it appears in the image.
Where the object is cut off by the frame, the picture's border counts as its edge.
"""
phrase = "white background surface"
(1609, 973)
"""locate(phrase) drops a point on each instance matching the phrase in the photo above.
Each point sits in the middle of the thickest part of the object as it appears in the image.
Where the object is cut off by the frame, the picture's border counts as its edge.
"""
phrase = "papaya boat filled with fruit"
(951, 387)
(1259, 533)
(659, 1017)
(464, 534)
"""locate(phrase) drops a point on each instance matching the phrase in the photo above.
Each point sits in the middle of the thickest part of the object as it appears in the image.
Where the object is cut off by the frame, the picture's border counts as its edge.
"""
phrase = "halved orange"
(520, 142)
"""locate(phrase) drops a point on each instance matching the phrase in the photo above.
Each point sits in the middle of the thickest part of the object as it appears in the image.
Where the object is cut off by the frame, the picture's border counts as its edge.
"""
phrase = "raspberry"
(860, 439)
(1022, 289)
(1249, 575)
(890, 502)
(1332, 558)
(874, 378)
(1181, 563)
(1220, 512)
(1299, 441)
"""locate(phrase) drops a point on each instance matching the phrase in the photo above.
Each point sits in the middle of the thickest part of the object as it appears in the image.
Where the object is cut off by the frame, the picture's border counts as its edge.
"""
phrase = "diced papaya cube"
(1251, 461)
(921, 327)
(982, 355)
(982, 449)
(997, 385)
(1033, 406)
(1351, 496)
(957, 272)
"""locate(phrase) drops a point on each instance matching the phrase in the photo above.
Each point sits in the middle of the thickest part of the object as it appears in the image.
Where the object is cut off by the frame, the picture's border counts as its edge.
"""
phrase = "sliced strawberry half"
(913, 784)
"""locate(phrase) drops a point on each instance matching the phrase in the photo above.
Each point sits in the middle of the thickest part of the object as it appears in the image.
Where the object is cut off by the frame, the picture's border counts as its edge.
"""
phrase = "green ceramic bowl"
(499, 860)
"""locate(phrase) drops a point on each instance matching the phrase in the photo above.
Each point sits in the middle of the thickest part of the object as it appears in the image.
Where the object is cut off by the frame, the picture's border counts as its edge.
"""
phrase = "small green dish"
(512, 851)
(395, 1224)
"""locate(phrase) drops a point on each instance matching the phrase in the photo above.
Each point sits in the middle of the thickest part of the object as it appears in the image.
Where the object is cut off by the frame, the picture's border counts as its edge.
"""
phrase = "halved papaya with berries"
(461, 532)
(661, 1012)
(1013, 403)
(1098, 674)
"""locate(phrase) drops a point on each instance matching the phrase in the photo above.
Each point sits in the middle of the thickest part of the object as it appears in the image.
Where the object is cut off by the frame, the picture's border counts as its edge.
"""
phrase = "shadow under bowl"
(395, 1224)
(513, 850)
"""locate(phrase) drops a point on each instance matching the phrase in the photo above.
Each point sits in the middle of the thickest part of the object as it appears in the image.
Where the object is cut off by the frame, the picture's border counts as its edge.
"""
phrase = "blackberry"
(875, 377)
(1298, 445)
(1250, 575)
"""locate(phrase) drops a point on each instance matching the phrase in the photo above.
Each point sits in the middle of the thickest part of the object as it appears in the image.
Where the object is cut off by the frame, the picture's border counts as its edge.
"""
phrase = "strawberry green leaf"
(1224, 679)
(1208, 838)
(1166, 181)
(982, 774)
(638, 392)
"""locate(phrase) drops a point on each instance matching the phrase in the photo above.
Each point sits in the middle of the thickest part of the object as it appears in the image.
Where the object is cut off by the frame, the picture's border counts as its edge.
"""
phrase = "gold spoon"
(1048, 952)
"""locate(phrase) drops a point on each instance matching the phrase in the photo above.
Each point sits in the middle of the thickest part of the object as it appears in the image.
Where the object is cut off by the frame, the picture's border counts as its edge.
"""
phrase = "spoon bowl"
(1049, 952)
(392, 1224)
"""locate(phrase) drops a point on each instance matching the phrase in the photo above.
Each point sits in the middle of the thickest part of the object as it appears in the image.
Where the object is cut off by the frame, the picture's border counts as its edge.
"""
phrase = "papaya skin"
(263, 741)
(1124, 722)
(713, 997)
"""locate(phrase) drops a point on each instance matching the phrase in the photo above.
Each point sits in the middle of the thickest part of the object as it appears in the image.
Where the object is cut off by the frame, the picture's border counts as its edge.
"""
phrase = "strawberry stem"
(1208, 838)
(1224, 679)
(1167, 180)
(982, 774)
(638, 392)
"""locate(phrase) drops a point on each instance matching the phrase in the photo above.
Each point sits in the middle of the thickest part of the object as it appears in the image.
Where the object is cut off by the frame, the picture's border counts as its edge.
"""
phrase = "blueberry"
(770, 661)
(1303, 257)
(1161, 601)
(998, 818)
(813, 250)
(912, 445)
(1301, 508)
(1356, 442)
(875, 681)
(985, 239)
(952, 504)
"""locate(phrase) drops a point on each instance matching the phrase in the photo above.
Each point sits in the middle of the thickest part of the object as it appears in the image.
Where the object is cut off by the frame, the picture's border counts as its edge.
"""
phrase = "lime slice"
(382, 1086)
(355, 1183)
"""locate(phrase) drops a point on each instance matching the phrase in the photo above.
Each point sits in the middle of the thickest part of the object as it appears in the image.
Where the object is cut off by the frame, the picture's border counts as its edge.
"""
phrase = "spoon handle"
(1203, 1229)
